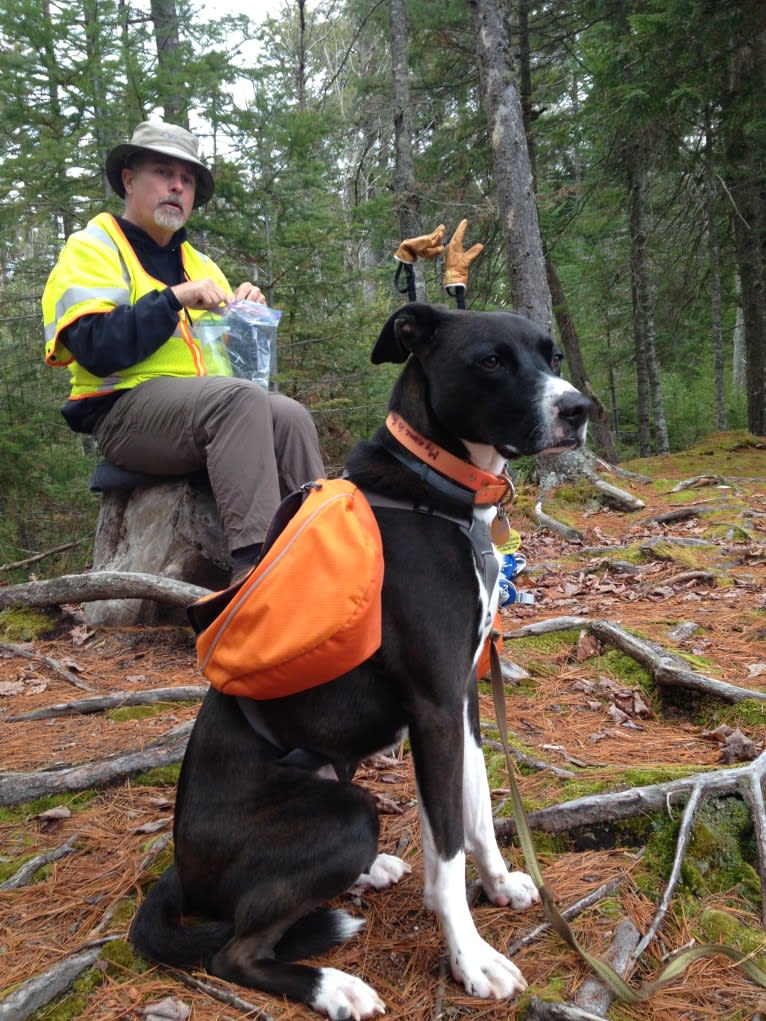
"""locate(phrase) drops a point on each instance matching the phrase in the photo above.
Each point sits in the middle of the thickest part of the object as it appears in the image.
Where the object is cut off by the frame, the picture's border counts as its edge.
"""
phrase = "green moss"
(723, 927)
(75, 1003)
(692, 557)
(719, 856)
(162, 776)
(20, 814)
(120, 957)
(137, 712)
(24, 624)
(122, 915)
(747, 715)
(729, 532)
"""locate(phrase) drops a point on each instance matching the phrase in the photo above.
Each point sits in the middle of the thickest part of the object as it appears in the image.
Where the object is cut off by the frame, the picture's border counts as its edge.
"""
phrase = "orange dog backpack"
(310, 610)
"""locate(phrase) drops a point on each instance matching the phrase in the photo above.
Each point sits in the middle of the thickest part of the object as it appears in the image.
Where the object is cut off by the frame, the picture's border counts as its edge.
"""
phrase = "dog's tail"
(157, 934)
(317, 932)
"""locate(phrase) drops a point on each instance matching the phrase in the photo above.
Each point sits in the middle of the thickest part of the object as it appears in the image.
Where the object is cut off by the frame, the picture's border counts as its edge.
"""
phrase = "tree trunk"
(599, 427)
(648, 381)
(166, 36)
(511, 164)
(738, 360)
(405, 191)
(746, 168)
(714, 254)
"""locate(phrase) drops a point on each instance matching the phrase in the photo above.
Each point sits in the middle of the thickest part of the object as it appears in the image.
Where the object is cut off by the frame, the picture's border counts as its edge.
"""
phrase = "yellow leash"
(605, 972)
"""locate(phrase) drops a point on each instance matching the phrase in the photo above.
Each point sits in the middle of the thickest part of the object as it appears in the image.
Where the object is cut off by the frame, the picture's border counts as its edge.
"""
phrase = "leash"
(611, 978)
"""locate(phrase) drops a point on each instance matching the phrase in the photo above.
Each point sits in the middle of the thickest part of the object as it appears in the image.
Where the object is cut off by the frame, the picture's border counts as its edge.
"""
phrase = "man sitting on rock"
(120, 308)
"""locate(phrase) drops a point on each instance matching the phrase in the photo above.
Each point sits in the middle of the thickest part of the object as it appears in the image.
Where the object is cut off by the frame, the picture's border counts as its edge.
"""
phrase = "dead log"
(102, 703)
(110, 585)
(16, 788)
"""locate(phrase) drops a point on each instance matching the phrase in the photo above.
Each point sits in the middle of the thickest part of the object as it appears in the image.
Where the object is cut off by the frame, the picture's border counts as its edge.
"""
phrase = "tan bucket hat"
(169, 139)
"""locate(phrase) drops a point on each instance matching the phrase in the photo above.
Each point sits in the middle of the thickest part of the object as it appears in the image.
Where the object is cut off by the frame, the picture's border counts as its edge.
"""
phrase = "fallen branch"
(553, 525)
(16, 788)
(675, 872)
(46, 553)
(594, 995)
(618, 497)
(53, 664)
(600, 893)
(540, 1010)
(41, 989)
(665, 669)
(33, 865)
(102, 703)
(86, 588)
(222, 995)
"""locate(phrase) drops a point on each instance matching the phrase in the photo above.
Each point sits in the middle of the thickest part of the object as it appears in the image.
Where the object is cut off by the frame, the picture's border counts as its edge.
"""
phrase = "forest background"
(336, 129)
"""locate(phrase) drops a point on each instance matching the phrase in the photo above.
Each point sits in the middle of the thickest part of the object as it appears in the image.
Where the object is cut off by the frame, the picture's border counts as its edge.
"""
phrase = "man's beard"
(169, 216)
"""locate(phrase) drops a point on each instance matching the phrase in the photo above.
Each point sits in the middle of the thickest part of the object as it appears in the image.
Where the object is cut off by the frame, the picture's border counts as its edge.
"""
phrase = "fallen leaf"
(587, 646)
(11, 688)
(168, 1009)
(154, 826)
(52, 817)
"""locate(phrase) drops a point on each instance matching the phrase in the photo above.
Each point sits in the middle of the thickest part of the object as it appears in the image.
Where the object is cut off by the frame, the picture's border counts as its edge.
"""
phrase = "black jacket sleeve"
(106, 343)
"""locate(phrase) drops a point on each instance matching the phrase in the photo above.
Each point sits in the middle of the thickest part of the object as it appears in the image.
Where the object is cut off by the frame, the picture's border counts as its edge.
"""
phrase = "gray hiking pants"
(256, 446)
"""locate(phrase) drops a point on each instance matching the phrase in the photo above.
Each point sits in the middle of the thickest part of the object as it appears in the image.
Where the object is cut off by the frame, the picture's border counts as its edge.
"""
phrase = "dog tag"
(500, 529)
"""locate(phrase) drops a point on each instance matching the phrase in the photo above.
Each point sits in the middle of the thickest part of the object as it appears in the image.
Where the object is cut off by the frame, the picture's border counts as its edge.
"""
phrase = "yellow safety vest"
(99, 270)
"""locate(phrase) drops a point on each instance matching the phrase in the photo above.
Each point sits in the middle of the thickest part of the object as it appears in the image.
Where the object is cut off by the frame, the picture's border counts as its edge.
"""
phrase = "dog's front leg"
(500, 885)
(437, 744)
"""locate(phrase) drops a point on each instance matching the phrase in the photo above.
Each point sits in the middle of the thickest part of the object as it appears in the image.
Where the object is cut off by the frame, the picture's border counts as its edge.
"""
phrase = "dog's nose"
(574, 407)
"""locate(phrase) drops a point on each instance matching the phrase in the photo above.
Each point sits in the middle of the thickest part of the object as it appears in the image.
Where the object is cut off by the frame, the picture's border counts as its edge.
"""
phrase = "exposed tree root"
(85, 588)
(103, 703)
(666, 669)
(16, 788)
(41, 989)
(31, 867)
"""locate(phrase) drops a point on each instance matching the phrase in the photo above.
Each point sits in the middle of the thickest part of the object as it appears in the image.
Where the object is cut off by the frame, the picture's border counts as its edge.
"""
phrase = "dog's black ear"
(407, 328)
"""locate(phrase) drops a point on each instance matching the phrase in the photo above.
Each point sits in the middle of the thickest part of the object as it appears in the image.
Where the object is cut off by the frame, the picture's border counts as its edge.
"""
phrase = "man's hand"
(428, 246)
(201, 294)
(249, 292)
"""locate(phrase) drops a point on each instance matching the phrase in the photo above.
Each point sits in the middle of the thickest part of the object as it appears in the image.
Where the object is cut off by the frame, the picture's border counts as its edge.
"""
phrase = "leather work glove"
(456, 261)
(428, 246)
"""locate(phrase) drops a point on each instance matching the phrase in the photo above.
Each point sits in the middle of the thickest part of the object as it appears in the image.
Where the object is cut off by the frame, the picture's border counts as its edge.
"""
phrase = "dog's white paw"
(485, 973)
(514, 888)
(386, 870)
(341, 997)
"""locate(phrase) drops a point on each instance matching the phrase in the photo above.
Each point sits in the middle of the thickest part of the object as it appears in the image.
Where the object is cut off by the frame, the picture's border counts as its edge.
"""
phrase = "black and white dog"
(268, 825)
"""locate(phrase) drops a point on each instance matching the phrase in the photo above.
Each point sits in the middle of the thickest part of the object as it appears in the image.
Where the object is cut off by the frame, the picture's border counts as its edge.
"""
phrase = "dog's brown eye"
(491, 362)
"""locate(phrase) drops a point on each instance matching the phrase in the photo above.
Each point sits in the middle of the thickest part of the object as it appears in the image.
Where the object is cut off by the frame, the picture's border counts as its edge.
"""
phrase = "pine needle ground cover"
(686, 573)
